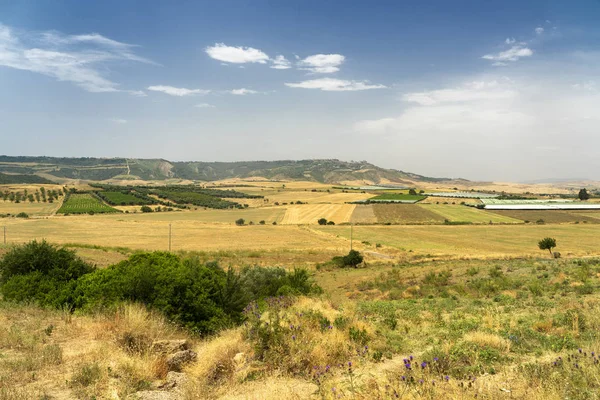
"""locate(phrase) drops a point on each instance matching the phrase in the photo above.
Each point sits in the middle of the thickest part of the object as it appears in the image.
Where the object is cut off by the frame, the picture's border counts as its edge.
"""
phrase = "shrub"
(22, 215)
(330, 223)
(146, 209)
(352, 259)
(240, 222)
(322, 221)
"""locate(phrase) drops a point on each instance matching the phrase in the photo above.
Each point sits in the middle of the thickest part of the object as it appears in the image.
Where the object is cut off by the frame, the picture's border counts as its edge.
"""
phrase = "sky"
(504, 91)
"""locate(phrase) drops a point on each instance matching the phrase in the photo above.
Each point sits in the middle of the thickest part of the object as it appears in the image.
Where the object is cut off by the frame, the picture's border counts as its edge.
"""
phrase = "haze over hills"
(97, 169)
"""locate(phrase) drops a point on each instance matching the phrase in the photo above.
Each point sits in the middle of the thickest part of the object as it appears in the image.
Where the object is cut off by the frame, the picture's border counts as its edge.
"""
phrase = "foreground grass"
(469, 329)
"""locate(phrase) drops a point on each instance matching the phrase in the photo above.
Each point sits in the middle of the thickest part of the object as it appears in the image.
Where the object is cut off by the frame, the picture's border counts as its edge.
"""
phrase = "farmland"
(550, 216)
(123, 198)
(405, 214)
(309, 213)
(458, 213)
(84, 203)
(398, 197)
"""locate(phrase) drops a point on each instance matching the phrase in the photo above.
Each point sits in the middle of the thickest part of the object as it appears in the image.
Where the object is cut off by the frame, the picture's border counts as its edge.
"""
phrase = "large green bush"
(202, 297)
(40, 272)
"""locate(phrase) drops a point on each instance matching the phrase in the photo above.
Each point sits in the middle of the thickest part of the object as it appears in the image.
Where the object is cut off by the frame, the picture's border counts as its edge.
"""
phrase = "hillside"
(98, 169)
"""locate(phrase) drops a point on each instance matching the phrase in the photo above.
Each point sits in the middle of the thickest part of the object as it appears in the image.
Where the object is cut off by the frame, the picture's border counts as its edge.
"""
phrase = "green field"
(458, 213)
(84, 203)
(398, 197)
(123, 199)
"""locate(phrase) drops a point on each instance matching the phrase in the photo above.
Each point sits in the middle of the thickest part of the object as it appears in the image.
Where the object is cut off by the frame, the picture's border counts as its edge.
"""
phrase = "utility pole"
(351, 234)
(5, 235)
(169, 238)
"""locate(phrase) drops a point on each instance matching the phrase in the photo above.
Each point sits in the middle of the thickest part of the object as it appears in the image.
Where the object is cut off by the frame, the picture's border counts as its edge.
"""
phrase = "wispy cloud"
(510, 40)
(80, 59)
(242, 91)
(334, 85)
(322, 63)
(280, 62)
(516, 52)
(471, 91)
(204, 105)
(539, 30)
(119, 121)
(236, 55)
(174, 91)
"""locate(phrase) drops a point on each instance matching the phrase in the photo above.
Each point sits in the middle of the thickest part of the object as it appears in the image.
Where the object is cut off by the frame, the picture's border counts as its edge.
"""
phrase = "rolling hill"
(98, 169)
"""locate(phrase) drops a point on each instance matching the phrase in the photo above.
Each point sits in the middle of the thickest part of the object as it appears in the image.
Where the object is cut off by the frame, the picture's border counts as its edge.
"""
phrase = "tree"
(547, 244)
(146, 209)
(322, 221)
(240, 222)
(353, 258)
(583, 194)
(412, 192)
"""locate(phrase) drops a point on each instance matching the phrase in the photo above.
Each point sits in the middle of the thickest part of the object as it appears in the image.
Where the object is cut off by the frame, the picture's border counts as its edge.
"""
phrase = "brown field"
(42, 209)
(364, 214)
(550, 216)
(288, 196)
(310, 213)
(405, 214)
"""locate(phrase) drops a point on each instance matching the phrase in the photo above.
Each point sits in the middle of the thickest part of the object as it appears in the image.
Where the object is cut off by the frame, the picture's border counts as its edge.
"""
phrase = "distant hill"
(20, 178)
(99, 169)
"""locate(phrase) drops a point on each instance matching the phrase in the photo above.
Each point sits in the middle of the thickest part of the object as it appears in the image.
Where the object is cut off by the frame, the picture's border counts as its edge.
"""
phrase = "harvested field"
(310, 213)
(449, 200)
(405, 214)
(42, 209)
(364, 214)
(288, 196)
(457, 213)
(549, 216)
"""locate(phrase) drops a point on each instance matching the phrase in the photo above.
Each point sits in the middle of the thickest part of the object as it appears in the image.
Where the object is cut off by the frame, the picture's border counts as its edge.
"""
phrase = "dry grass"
(485, 339)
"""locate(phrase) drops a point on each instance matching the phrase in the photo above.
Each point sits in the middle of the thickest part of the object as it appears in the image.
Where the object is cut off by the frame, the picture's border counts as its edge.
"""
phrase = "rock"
(239, 358)
(176, 360)
(170, 346)
(174, 380)
(155, 395)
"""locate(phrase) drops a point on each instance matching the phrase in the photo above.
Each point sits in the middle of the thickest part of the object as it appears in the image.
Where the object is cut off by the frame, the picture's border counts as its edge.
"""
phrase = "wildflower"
(420, 380)
(293, 337)
(423, 364)
(403, 377)
(435, 359)
(411, 357)
(447, 378)
(580, 351)
(350, 364)
(407, 365)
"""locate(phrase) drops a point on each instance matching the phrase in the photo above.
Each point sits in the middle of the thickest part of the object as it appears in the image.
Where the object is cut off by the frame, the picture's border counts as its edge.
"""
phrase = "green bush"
(22, 215)
(40, 272)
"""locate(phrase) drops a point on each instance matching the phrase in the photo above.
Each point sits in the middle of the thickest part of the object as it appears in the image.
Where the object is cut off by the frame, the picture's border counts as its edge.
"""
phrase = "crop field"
(463, 195)
(459, 213)
(405, 214)
(400, 197)
(84, 203)
(449, 200)
(550, 216)
(309, 213)
(334, 197)
(122, 199)
(364, 214)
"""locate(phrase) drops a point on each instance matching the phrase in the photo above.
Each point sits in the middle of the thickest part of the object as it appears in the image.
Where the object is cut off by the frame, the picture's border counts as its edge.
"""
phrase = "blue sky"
(482, 90)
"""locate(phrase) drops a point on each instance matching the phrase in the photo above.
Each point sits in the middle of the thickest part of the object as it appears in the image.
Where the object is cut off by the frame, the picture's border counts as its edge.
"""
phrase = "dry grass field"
(309, 213)
(476, 241)
(38, 209)
(364, 214)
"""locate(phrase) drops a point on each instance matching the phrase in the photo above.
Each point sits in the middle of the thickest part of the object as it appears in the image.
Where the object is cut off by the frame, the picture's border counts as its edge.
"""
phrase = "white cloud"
(236, 55)
(334, 85)
(242, 91)
(322, 63)
(80, 59)
(204, 105)
(589, 86)
(180, 92)
(280, 62)
(471, 91)
(539, 30)
(510, 40)
(513, 54)
(119, 121)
